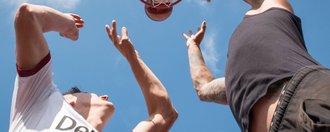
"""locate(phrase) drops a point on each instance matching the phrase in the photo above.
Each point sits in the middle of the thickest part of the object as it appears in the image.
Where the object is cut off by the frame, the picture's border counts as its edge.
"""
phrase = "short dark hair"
(72, 91)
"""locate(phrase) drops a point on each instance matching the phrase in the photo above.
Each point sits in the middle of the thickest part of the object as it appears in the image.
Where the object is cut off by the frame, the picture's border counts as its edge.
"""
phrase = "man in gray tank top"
(269, 73)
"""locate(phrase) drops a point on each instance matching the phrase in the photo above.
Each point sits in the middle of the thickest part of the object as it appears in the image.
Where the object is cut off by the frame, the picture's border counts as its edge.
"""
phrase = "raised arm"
(31, 21)
(162, 113)
(207, 88)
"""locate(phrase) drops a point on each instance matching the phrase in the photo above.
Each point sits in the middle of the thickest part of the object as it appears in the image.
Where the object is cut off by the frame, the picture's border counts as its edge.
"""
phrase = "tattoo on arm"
(207, 88)
(214, 91)
(200, 74)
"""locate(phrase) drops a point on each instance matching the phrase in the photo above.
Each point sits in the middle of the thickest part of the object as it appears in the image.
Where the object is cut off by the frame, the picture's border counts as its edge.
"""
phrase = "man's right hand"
(73, 25)
(123, 44)
(31, 21)
(196, 39)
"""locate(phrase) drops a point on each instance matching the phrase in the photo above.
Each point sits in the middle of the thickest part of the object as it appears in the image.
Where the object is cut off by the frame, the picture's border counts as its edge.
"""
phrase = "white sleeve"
(30, 91)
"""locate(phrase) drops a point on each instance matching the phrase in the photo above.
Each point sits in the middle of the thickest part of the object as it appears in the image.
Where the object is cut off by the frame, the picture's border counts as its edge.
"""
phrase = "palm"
(125, 47)
(198, 37)
(123, 44)
(73, 29)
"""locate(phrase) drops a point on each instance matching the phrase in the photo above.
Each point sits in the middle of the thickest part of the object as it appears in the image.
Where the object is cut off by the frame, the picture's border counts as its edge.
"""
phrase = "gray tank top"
(264, 49)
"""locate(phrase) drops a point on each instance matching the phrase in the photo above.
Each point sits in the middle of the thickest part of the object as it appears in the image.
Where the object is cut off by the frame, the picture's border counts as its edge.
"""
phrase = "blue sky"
(93, 64)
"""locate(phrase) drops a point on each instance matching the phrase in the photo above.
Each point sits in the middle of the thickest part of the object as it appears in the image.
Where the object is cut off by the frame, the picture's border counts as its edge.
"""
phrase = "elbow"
(24, 16)
(219, 99)
(24, 9)
(173, 116)
(164, 122)
(170, 118)
(202, 97)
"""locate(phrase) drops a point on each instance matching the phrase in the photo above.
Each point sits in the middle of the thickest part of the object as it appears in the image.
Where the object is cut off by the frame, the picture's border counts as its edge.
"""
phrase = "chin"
(107, 111)
(110, 107)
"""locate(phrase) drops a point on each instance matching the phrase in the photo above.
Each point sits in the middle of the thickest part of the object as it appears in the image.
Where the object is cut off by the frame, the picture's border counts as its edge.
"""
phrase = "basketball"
(159, 10)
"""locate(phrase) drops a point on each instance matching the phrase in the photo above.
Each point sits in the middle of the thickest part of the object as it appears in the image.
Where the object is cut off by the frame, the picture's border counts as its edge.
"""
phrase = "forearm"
(207, 88)
(31, 21)
(45, 18)
(200, 74)
(156, 96)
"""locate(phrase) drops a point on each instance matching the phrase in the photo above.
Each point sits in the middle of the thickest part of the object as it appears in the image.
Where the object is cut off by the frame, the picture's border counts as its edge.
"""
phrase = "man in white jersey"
(38, 105)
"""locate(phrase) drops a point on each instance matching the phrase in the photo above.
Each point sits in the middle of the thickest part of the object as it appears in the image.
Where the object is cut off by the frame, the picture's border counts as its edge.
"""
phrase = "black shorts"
(304, 104)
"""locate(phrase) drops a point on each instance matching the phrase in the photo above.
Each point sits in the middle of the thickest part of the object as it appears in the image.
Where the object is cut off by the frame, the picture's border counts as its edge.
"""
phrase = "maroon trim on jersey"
(41, 64)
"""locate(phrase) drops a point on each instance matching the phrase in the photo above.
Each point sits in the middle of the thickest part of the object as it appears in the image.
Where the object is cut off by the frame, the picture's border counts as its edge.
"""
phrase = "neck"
(99, 117)
(259, 6)
(255, 4)
(97, 123)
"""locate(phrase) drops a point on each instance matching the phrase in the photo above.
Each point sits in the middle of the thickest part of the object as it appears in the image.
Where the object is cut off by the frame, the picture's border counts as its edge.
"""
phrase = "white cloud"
(119, 60)
(64, 4)
(210, 52)
(201, 3)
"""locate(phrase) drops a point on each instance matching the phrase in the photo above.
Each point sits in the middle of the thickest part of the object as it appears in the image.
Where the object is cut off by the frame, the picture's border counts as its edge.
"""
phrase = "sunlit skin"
(97, 110)
(207, 87)
(162, 113)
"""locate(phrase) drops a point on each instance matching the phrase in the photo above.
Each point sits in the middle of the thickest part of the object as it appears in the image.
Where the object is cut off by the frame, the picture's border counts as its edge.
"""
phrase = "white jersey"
(37, 105)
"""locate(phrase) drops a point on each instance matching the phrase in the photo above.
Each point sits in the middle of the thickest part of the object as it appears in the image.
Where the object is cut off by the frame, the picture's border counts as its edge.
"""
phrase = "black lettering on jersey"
(60, 127)
(72, 126)
(81, 129)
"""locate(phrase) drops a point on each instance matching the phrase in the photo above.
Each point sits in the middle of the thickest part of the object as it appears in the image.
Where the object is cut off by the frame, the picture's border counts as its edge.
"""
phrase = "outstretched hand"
(196, 38)
(123, 43)
(75, 23)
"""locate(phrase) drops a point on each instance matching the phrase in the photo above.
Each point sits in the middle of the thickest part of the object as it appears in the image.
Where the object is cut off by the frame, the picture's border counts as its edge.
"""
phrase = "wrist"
(133, 59)
(192, 44)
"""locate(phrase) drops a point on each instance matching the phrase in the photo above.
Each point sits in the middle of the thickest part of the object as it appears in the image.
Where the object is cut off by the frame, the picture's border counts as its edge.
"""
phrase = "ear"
(70, 100)
(72, 103)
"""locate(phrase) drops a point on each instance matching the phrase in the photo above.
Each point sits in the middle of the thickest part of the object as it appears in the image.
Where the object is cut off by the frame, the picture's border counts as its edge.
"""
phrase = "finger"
(79, 25)
(76, 16)
(107, 28)
(118, 37)
(114, 31)
(185, 36)
(61, 35)
(190, 32)
(203, 26)
(79, 20)
(124, 33)
(74, 36)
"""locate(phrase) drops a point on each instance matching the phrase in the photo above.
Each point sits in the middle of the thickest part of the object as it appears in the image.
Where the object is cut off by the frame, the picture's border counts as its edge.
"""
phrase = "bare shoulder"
(268, 4)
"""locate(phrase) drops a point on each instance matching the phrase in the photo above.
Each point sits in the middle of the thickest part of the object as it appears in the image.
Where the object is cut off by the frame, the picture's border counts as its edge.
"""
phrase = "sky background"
(94, 64)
